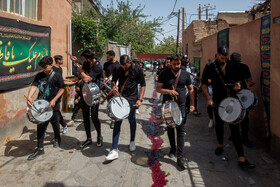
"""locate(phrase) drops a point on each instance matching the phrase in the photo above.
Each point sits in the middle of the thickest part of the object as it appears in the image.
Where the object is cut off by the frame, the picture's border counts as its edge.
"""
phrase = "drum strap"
(177, 79)
(49, 80)
(122, 88)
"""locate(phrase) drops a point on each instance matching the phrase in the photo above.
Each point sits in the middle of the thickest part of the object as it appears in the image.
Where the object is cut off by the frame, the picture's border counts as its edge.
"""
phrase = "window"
(26, 8)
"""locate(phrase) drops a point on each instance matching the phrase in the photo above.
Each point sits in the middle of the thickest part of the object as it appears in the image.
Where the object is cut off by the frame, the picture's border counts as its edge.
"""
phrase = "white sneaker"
(137, 111)
(112, 155)
(71, 123)
(132, 146)
(65, 129)
(210, 124)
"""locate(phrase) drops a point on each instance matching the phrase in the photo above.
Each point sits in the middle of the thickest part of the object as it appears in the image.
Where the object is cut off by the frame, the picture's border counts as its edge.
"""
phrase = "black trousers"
(180, 135)
(93, 112)
(41, 129)
(210, 112)
(61, 120)
(245, 127)
(75, 110)
(236, 137)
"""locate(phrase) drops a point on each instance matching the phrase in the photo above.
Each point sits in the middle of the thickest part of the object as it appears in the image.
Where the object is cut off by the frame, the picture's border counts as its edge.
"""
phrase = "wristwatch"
(140, 100)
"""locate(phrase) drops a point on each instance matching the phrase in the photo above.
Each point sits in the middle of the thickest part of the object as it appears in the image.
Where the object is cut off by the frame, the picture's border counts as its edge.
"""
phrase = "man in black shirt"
(246, 82)
(50, 89)
(108, 68)
(57, 68)
(91, 71)
(192, 69)
(166, 86)
(221, 73)
(128, 76)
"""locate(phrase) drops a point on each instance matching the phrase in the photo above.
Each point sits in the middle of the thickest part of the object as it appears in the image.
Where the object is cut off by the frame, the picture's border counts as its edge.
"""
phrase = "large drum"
(231, 111)
(248, 99)
(91, 93)
(171, 113)
(196, 82)
(39, 112)
(118, 108)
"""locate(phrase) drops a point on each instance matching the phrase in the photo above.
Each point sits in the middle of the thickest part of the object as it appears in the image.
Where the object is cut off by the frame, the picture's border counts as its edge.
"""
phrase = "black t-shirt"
(58, 70)
(218, 86)
(110, 67)
(168, 79)
(244, 73)
(136, 76)
(160, 70)
(55, 84)
(95, 72)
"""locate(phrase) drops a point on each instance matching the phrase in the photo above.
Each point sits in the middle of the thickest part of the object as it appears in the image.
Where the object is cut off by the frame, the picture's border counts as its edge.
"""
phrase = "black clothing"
(244, 74)
(160, 70)
(58, 70)
(95, 72)
(191, 68)
(110, 67)
(168, 79)
(41, 129)
(136, 76)
(41, 80)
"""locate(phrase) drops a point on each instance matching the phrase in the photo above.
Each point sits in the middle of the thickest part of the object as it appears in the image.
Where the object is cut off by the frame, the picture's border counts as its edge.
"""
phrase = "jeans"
(75, 110)
(117, 128)
(235, 133)
(41, 129)
(93, 111)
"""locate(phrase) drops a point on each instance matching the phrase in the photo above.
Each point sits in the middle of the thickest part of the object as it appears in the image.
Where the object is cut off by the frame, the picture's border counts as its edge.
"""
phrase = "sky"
(163, 8)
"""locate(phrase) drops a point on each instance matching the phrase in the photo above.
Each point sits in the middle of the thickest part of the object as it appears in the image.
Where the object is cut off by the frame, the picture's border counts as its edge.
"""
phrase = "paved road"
(69, 166)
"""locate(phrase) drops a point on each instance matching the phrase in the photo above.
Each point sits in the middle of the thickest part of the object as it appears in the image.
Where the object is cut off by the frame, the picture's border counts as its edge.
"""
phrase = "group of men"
(174, 81)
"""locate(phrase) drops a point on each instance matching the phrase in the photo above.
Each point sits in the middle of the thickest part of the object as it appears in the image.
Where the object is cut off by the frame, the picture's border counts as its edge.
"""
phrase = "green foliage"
(167, 46)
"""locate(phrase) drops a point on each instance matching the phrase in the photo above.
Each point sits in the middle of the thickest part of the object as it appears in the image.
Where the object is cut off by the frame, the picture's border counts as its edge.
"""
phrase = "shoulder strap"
(49, 80)
(177, 79)
(219, 74)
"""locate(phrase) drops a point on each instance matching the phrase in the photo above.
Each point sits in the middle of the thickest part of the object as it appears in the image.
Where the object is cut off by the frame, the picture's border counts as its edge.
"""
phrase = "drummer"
(167, 86)
(128, 76)
(91, 71)
(222, 72)
(108, 68)
(47, 80)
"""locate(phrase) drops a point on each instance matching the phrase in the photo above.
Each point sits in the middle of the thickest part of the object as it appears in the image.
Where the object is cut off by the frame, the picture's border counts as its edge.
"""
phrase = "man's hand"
(138, 103)
(29, 102)
(237, 86)
(192, 108)
(210, 102)
(173, 93)
(115, 91)
(52, 103)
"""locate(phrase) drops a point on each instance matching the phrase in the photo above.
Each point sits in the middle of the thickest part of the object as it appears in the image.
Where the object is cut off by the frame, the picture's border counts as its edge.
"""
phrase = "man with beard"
(108, 69)
(91, 71)
(128, 76)
(167, 86)
(222, 73)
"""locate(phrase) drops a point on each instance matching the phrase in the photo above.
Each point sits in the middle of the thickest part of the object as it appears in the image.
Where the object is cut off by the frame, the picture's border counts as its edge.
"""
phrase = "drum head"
(246, 97)
(41, 111)
(176, 113)
(91, 93)
(120, 107)
(230, 109)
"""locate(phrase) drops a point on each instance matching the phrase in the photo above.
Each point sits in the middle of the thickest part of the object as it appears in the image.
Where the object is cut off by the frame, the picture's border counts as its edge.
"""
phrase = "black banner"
(22, 46)
(223, 38)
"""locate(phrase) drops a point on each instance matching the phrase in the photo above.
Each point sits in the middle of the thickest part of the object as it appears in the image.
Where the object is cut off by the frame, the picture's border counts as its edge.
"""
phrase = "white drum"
(39, 112)
(171, 113)
(118, 108)
(248, 99)
(231, 110)
(91, 93)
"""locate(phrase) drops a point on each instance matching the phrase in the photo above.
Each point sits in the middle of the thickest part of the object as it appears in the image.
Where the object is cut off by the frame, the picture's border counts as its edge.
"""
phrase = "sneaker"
(56, 144)
(210, 124)
(246, 164)
(99, 141)
(132, 146)
(181, 161)
(137, 111)
(71, 123)
(86, 143)
(36, 154)
(172, 153)
(196, 113)
(219, 151)
(65, 129)
(112, 155)
(112, 124)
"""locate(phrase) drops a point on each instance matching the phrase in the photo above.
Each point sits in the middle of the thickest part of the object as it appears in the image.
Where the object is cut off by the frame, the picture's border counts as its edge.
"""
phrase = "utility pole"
(199, 12)
(178, 26)
(183, 26)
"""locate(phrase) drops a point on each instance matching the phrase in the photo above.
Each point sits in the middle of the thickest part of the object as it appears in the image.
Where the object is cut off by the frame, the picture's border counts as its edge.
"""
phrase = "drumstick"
(175, 95)
(32, 105)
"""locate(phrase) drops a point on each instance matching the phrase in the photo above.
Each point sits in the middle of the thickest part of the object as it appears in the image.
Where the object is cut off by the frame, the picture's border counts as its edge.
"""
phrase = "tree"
(166, 46)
